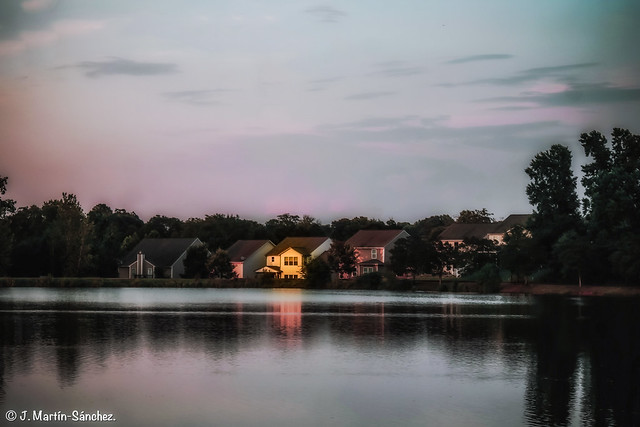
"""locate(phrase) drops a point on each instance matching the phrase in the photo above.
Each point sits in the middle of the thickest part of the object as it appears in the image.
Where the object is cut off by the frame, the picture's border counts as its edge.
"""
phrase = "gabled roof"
(243, 249)
(511, 221)
(160, 252)
(304, 245)
(373, 238)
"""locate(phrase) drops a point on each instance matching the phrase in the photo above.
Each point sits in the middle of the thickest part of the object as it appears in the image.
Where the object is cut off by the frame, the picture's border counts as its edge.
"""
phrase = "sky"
(254, 108)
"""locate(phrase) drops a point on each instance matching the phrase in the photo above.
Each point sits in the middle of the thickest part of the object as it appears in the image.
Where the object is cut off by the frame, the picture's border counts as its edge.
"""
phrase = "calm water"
(191, 357)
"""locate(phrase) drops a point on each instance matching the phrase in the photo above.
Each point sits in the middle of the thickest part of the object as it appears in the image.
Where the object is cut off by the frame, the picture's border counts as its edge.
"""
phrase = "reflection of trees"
(67, 337)
(592, 363)
(587, 361)
(551, 382)
(615, 364)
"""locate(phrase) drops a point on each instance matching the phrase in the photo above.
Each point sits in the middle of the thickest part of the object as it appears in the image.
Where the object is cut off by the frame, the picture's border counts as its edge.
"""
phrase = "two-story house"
(373, 248)
(288, 257)
(247, 256)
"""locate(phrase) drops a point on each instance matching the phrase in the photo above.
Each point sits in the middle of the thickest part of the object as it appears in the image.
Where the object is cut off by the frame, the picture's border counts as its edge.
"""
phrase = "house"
(508, 224)
(156, 258)
(288, 257)
(247, 256)
(373, 248)
(455, 234)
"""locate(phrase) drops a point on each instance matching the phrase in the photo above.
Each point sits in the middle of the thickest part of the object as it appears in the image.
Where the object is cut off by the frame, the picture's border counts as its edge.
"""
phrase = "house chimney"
(140, 264)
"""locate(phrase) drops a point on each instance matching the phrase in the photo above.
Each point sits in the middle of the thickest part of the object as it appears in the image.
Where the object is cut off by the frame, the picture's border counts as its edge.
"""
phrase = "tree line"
(61, 240)
(594, 239)
(568, 239)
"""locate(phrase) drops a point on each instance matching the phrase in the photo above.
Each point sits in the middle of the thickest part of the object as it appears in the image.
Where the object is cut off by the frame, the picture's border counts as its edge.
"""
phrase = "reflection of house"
(455, 234)
(247, 256)
(288, 257)
(156, 258)
(372, 248)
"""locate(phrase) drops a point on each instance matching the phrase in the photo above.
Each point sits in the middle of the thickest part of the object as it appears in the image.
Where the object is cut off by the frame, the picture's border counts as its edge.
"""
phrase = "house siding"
(246, 269)
(383, 254)
(295, 269)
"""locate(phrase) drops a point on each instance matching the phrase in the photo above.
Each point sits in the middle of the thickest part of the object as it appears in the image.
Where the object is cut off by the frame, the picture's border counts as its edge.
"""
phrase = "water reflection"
(381, 357)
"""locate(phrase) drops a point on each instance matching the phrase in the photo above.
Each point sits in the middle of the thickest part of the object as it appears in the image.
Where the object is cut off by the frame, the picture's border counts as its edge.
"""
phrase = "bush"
(488, 278)
(370, 280)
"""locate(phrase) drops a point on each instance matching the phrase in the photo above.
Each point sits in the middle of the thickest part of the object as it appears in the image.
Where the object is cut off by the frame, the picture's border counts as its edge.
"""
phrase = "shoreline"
(572, 290)
(401, 285)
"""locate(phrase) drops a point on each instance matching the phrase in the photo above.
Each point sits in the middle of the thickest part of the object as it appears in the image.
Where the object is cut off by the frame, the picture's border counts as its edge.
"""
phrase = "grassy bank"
(422, 285)
(372, 283)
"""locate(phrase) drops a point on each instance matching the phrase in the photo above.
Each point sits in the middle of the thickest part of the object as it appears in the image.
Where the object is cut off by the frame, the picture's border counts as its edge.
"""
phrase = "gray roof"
(243, 249)
(304, 245)
(160, 252)
(511, 221)
(373, 238)
(480, 231)
(466, 231)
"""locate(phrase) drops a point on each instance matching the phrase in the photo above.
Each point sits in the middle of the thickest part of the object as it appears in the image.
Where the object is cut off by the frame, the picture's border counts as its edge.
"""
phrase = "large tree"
(7, 207)
(66, 236)
(219, 264)
(477, 216)
(342, 259)
(612, 201)
(195, 262)
(552, 193)
(316, 272)
(412, 255)
(29, 254)
(518, 254)
(112, 234)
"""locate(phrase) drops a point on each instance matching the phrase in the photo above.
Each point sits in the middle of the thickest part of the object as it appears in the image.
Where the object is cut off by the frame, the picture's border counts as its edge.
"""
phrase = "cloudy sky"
(397, 110)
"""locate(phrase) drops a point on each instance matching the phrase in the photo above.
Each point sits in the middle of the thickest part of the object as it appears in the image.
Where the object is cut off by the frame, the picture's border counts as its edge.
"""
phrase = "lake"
(230, 357)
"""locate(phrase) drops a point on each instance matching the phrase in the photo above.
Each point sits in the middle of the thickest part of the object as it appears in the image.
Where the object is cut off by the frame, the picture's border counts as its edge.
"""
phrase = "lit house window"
(374, 254)
(290, 260)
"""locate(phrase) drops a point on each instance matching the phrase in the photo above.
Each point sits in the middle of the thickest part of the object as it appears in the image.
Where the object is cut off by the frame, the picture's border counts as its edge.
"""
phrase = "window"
(367, 270)
(290, 276)
(291, 260)
(150, 272)
(273, 259)
(374, 253)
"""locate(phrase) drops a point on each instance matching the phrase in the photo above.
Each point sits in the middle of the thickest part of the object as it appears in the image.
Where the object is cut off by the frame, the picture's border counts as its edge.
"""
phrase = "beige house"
(373, 248)
(287, 258)
(247, 256)
(455, 234)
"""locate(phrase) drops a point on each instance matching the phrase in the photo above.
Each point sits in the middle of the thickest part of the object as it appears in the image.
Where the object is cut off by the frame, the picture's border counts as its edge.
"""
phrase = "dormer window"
(374, 254)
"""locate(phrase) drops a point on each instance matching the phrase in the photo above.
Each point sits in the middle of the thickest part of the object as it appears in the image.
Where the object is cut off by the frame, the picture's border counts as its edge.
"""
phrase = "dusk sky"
(399, 110)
